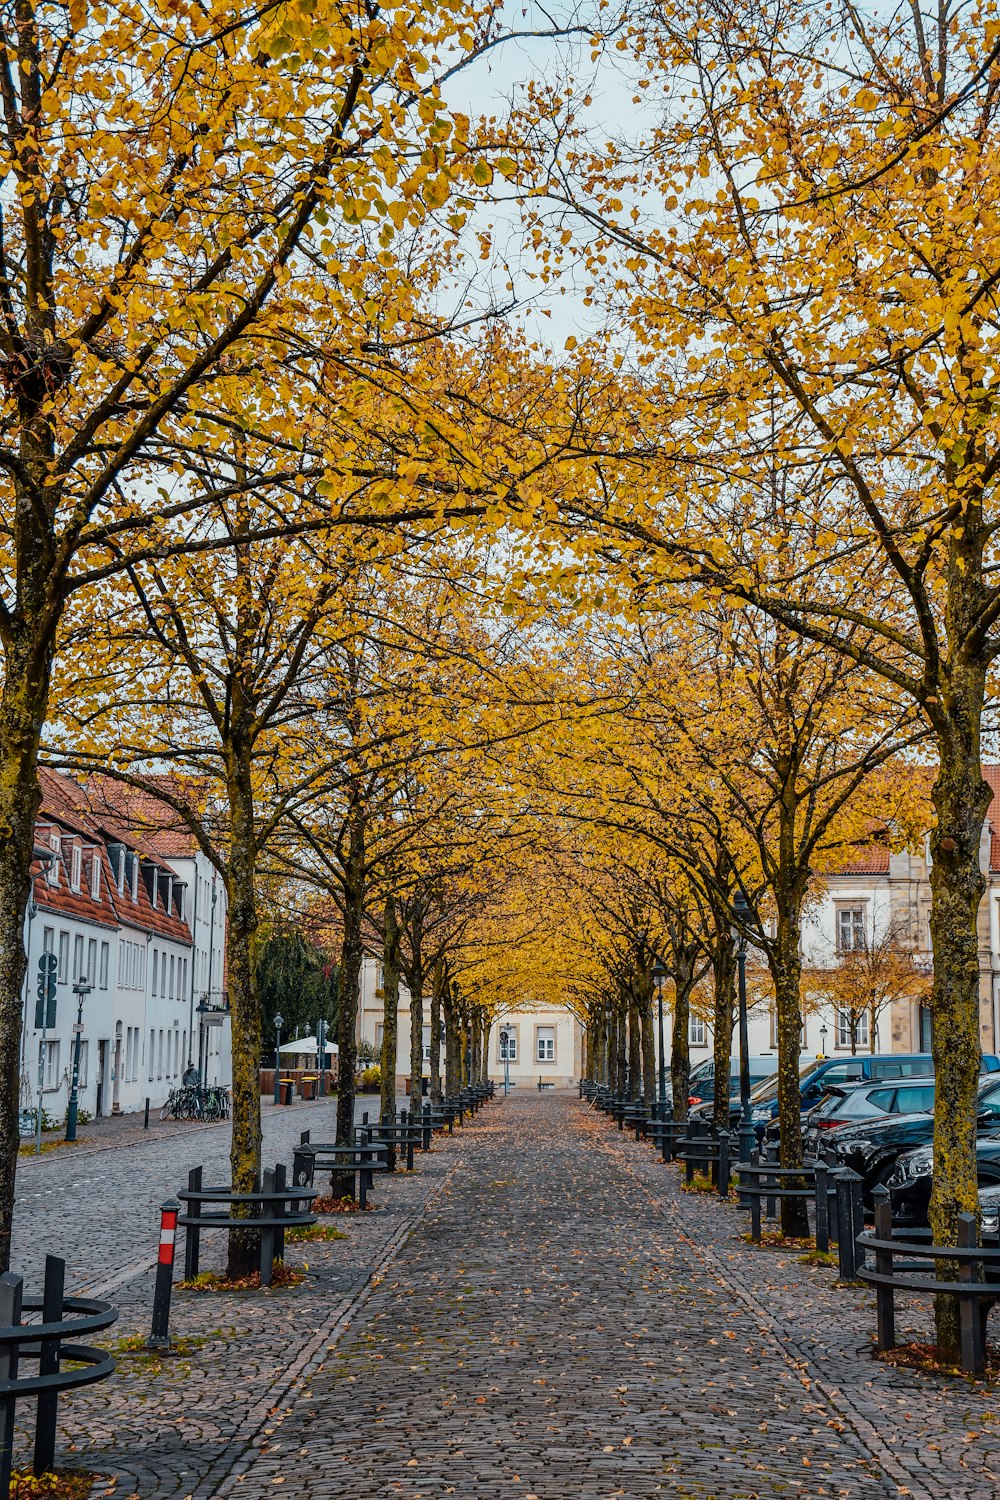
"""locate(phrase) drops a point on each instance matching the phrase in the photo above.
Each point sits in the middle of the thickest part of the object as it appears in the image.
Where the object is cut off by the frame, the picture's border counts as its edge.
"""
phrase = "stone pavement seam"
(227, 1473)
(792, 1352)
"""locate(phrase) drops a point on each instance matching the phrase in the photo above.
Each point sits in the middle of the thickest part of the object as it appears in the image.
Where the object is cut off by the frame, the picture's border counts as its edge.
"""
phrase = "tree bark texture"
(390, 1012)
(786, 972)
(244, 1001)
(23, 709)
(724, 979)
(961, 799)
(634, 1053)
(352, 955)
(440, 979)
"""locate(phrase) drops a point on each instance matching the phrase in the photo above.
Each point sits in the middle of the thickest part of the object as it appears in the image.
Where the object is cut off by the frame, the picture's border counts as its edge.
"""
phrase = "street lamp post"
(746, 1134)
(822, 1040)
(279, 1021)
(321, 1057)
(81, 990)
(660, 979)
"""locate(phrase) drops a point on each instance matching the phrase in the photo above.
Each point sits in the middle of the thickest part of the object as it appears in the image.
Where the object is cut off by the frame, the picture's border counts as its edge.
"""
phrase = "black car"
(873, 1147)
(912, 1178)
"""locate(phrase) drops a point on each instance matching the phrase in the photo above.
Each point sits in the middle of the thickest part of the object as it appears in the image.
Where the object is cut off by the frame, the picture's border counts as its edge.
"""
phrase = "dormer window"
(95, 875)
(76, 867)
(52, 873)
(170, 897)
(135, 877)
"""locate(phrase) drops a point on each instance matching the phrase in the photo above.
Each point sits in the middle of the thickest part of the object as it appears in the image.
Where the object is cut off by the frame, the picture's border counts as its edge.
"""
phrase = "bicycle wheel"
(168, 1108)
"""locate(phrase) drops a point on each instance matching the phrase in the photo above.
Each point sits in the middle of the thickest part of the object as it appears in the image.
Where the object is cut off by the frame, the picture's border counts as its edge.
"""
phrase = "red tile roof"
(69, 808)
(162, 831)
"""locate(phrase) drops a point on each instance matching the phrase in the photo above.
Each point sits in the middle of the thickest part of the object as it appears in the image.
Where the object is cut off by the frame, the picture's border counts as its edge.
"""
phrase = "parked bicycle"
(187, 1103)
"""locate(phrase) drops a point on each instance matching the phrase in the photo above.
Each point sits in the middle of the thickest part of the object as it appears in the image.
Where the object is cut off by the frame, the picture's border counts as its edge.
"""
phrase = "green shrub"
(371, 1078)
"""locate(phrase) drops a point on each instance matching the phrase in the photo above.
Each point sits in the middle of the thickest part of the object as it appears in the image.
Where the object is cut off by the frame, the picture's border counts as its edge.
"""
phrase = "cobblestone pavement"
(565, 1322)
(538, 1311)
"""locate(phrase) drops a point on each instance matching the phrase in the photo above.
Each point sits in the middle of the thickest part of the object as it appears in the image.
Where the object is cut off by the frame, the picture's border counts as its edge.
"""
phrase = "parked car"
(817, 1076)
(912, 1178)
(873, 1147)
(701, 1084)
(851, 1103)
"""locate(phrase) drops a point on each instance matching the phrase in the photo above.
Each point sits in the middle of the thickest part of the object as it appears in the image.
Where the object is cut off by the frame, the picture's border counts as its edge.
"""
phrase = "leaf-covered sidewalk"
(565, 1322)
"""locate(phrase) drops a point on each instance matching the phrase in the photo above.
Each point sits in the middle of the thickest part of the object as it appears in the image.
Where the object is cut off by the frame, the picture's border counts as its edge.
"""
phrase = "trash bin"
(287, 1091)
(307, 1087)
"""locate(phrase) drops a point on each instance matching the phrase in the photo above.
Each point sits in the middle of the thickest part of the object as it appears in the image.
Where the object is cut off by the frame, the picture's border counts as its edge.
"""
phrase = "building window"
(850, 929)
(92, 962)
(844, 1030)
(63, 971)
(95, 875)
(170, 991)
(78, 972)
(427, 1044)
(696, 1032)
(545, 1044)
(84, 1054)
(156, 958)
(152, 1042)
(55, 846)
(48, 940)
(48, 1064)
(75, 867)
(510, 1051)
(159, 1058)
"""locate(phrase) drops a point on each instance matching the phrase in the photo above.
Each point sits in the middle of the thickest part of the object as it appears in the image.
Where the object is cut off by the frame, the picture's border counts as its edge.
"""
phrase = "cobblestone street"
(537, 1311)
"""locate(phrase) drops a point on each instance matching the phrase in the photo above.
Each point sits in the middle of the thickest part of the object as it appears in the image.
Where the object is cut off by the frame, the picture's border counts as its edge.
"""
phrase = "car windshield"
(768, 1090)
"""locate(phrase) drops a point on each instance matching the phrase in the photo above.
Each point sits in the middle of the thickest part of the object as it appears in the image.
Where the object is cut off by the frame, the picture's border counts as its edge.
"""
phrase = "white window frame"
(842, 1031)
(851, 924)
(545, 1044)
(95, 876)
(697, 1032)
(62, 972)
(511, 1044)
(76, 867)
(55, 848)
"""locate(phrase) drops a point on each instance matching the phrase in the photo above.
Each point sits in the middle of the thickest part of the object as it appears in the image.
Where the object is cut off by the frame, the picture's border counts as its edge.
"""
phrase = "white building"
(547, 1040)
(117, 908)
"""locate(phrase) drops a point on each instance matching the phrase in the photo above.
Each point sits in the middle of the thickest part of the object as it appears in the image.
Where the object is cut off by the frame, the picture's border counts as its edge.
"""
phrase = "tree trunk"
(416, 978)
(244, 1001)
(23, 709)
(452, 1044)
(786, 972)
(680, 1046)
(961, 799)
(440, 979)
(634, 1053)
(352, 955)
(647, 1038)
(390, 1012)
(620, 1066)
(724, 978)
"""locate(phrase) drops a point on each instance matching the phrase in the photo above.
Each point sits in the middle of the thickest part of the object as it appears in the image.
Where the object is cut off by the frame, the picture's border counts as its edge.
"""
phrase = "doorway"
(102, 1073)
(116, 1071)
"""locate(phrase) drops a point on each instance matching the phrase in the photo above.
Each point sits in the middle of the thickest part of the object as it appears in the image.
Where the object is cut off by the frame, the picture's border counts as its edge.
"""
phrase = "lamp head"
(279, 1021)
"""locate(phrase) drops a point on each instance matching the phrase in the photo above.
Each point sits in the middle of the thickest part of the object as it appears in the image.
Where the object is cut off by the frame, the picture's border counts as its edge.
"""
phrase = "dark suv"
(911, 1178)
(873, 1147)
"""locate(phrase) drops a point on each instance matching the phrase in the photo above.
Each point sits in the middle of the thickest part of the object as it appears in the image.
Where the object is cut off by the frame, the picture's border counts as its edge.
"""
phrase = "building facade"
(116, 900)
(547, 1043)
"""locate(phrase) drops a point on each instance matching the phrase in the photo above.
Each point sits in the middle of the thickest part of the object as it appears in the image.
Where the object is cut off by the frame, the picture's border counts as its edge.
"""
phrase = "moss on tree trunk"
(23, 707)
(961, 799)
